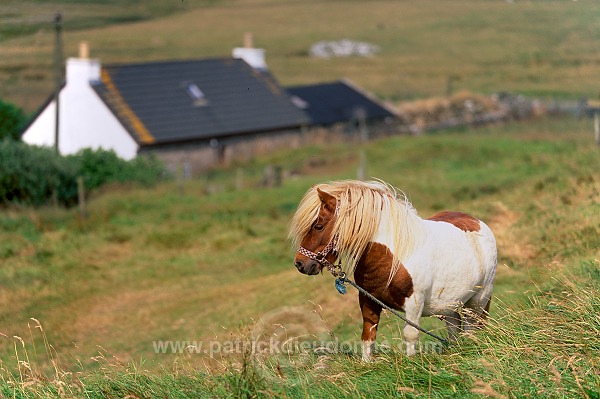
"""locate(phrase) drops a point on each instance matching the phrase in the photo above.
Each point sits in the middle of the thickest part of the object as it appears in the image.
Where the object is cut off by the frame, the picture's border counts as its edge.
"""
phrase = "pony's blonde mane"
(361, 207)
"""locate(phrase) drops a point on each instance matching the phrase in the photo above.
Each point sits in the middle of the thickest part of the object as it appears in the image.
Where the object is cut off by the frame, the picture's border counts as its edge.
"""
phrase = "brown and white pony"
(436, 266)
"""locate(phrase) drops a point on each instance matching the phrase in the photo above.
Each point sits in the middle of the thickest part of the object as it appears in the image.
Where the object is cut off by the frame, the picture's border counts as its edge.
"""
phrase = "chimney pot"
(84, 50)
(248, 40)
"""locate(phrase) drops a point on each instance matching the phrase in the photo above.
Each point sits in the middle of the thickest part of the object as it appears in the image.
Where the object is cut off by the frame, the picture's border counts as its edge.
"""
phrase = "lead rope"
(342, 279)
(340, 282)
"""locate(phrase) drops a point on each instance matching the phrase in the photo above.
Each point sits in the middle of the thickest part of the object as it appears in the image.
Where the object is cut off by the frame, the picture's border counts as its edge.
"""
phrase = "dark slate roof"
(167, 102)
(340, 101)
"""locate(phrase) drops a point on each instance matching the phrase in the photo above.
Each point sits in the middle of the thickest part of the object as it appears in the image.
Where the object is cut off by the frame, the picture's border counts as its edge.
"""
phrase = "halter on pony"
(320, 257)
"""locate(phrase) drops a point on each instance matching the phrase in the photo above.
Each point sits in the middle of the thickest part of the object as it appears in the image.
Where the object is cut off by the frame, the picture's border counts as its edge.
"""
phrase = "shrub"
(12, 121)
(100, 166)
(31, 175)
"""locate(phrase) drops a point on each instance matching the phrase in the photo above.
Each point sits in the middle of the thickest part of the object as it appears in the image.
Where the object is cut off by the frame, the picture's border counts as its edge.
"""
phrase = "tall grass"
(173, 263)
(545, 348)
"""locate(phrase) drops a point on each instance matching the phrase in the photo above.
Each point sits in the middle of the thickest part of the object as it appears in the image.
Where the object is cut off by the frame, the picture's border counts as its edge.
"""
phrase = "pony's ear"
(329, 202)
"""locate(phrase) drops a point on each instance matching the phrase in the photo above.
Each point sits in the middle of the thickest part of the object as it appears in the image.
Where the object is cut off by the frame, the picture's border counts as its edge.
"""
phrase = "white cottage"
(85, 120)
(161, 106)
(195, 113)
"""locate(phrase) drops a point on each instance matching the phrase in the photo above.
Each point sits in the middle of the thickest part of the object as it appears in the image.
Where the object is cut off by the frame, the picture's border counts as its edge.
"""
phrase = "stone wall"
(191, 159)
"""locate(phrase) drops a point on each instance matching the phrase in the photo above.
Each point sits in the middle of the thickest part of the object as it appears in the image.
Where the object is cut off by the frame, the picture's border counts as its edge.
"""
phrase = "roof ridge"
(165, 62)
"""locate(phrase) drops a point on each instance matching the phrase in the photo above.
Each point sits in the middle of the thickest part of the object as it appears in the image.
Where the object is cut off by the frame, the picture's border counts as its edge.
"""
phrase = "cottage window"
(198, 97)
(298, 102)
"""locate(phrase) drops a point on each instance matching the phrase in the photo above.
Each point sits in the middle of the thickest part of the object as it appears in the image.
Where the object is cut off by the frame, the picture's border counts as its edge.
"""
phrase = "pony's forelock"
(305, 216)
(361, 205)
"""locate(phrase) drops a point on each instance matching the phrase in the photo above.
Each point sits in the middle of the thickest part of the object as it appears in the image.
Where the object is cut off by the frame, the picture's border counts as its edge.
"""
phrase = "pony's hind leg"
(453, 325)
(475, 312)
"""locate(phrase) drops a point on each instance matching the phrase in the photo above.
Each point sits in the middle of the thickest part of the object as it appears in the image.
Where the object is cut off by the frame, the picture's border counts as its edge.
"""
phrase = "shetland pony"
(444, 265)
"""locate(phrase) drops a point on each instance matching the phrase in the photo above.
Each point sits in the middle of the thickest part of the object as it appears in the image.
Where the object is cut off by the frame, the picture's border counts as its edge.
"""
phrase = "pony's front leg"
(413, 309)
(370, 313)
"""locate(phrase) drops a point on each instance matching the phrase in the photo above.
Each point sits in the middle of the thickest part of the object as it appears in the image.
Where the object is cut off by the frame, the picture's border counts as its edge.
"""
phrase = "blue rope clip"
(340, 285)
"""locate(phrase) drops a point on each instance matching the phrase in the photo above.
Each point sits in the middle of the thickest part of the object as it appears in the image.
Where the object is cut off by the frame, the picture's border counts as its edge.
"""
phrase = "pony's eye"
(318, 227)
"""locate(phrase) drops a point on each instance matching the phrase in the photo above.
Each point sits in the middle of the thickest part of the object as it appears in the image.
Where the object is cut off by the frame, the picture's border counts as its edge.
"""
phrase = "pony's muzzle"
(309, 267)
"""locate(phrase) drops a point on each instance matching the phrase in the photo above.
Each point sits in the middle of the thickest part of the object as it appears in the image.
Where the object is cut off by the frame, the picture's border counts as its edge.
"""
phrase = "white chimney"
(82, 70)
(255, 57)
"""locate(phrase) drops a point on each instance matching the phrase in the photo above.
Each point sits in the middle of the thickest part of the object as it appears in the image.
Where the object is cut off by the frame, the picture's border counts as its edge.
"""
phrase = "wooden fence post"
(81, 196)
(239, 179)
(361, 171)
(179, 179)
(597, 128)
(277, 176)
(268, 176)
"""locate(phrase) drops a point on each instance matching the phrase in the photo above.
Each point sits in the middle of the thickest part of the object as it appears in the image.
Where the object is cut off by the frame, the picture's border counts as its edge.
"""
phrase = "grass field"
(547, 48)
(84, 302)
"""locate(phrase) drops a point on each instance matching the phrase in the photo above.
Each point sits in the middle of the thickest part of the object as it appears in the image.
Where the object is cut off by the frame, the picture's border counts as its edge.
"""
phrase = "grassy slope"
(172, 263)
(547, 49)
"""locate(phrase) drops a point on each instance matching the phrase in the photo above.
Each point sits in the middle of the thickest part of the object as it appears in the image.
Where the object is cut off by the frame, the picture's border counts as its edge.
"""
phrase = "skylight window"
(298, 102)
(198, 97)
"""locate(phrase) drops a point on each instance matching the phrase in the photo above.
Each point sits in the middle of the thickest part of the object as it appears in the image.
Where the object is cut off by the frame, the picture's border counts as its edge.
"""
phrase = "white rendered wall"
(41, 131)
(85, 121)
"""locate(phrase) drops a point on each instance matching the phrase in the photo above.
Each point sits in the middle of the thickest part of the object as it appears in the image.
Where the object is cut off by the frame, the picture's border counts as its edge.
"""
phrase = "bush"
(12, 121)
(100, 166)
(30, 175)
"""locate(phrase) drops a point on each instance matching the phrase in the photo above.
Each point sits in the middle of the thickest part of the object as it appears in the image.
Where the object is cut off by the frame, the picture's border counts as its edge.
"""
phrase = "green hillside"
(544, 48)
(85, 302)
(161, 292)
